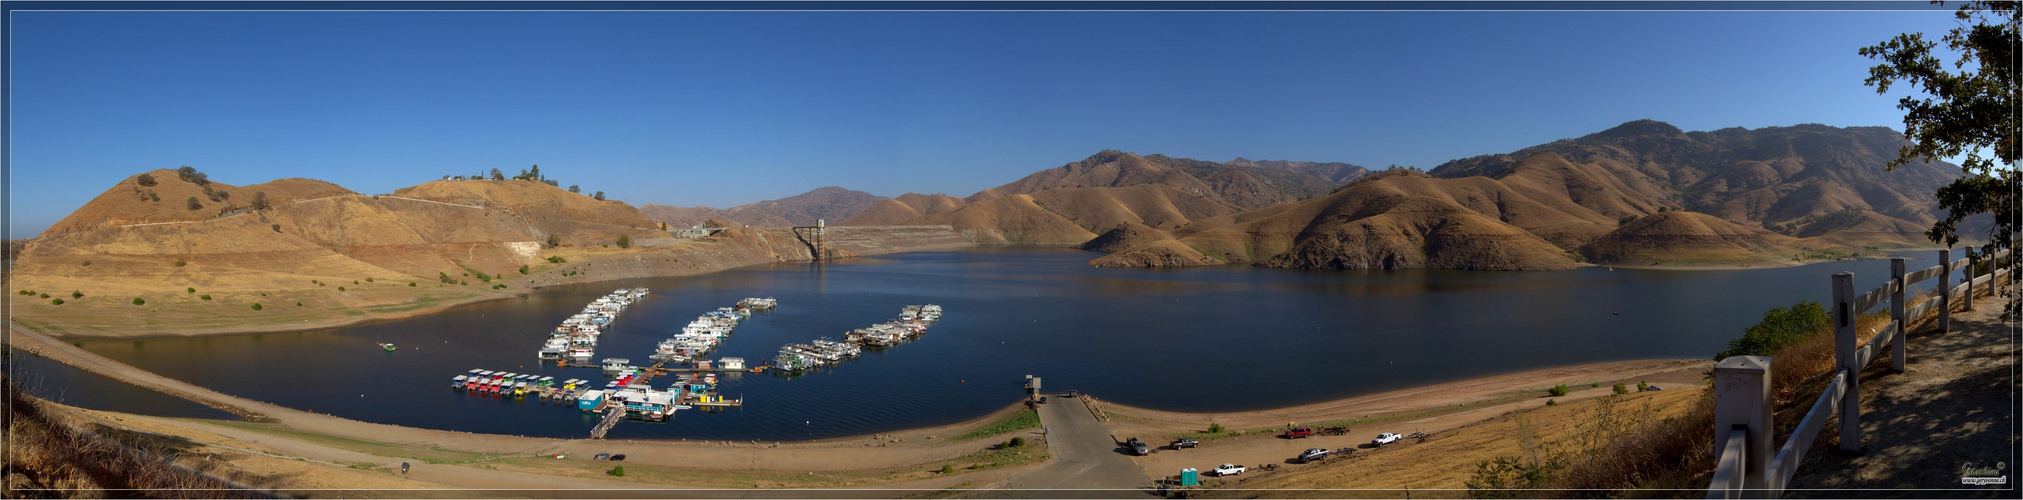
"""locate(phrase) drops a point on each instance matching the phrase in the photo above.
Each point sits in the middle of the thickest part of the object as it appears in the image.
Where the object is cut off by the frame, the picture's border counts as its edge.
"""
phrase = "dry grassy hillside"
(1775, 175)
(1109, 168)
(1677, 237)
(904, 209)
(323, 261)
(832, 203)
(1014, 219)
(164, 196)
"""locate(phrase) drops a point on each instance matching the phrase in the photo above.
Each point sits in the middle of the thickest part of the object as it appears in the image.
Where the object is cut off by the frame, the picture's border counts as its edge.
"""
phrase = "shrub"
(191, 289)
(260, 200)
(1559, 390)
(557, 259)
(87, 263)
(354, 282)
(1552, 402)
(617, 471)
(368, 279)
(277, 228)
(523, 269)
(45, 295)
(554, 240)
(145, 180)
(1780, 327)
(1621, 389)
(410, 283)
(298, 303)
(947, 469)
(205, 296)
(1626, 220)
(1502, 477)
(77, 295)
(56, 301)
(1214, 427)
(340, 289)
(181, 263)
(24, 292)
(1017, 442)
(191, 175)
(256, 306)
(137, 301)
(193, 204)
(1643, 386)
(624, 241)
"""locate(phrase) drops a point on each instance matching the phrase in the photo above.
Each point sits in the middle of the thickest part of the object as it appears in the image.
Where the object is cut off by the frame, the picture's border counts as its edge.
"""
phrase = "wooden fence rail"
(1743, 423)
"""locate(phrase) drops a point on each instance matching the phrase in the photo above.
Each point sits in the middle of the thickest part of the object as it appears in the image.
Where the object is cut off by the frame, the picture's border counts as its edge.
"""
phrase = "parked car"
(601, 456)
(1138, 447)
(1298, 432)
(1386, 438)
(1313, 454)
(1228, 470)
(1185, 443)
(618, 457)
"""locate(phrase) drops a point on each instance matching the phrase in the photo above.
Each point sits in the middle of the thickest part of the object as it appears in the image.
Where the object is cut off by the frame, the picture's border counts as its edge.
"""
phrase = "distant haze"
(725, 109)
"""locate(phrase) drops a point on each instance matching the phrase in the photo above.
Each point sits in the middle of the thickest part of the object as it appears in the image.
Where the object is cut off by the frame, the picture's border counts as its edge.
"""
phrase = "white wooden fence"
(1743, 423)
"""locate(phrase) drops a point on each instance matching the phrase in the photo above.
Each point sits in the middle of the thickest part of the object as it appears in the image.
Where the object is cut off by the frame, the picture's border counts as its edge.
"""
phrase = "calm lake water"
(1200, 339)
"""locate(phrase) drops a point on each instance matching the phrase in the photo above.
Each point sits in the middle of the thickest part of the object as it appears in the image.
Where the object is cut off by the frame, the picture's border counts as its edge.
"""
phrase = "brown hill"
(1678, 237)
(1163, 253)
(1125, 236)
(1392, 220)
(1015, 219)
(831, 203)
(677, 217)
(164, 197)
(1772, 175)
(1334, 172)
(905, 208)
(333, 260)
(1109, 168)
(1107, 189)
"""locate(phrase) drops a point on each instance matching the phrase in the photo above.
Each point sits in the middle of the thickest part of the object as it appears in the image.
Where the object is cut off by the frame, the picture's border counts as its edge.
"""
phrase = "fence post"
(1742, 401)
(1945, 290)
(1969, 280)
(1897, 315)
(1845, 358)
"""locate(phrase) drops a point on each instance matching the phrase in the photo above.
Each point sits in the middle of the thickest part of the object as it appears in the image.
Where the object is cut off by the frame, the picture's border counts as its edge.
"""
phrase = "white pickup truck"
(1386, 438)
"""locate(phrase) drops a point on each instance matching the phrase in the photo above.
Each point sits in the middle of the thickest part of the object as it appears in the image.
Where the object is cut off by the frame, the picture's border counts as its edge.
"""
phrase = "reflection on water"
(1201, 339)
(63, 384)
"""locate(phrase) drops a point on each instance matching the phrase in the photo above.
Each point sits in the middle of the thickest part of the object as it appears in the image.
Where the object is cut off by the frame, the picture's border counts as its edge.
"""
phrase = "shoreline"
(1458, 393)
(889, 459)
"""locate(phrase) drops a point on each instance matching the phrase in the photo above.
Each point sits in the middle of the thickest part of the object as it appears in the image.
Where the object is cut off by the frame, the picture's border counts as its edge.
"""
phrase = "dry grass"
(48, 456)
(1673, 454)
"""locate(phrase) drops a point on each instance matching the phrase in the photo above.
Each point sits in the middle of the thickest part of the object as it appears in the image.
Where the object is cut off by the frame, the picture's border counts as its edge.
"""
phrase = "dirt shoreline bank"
(904, 457)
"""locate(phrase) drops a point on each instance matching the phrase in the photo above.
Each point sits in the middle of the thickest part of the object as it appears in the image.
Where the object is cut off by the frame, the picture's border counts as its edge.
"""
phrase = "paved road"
(1085, 457)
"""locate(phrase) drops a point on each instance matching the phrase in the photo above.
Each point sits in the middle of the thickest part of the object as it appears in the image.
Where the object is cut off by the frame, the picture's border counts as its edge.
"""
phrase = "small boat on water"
(388, 347)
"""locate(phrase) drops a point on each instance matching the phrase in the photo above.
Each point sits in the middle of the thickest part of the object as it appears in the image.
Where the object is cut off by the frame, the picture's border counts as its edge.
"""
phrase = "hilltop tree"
(145, 180)
(574, 189)
(1962, 112)
(531, 174)
(599, 196)
(191, 175)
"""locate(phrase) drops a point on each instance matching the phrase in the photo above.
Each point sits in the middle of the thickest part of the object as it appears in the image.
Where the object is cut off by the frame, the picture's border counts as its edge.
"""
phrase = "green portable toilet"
(1189, 477)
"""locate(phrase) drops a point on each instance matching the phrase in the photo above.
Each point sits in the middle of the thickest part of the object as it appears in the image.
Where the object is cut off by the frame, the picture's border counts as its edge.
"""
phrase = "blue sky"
(727, 108)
